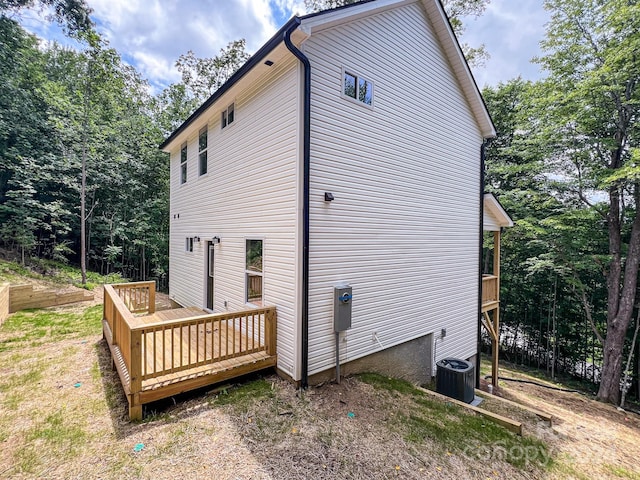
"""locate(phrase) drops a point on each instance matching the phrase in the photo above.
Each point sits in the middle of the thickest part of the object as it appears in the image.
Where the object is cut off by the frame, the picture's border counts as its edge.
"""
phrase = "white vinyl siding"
(403, 228)
(252, 194)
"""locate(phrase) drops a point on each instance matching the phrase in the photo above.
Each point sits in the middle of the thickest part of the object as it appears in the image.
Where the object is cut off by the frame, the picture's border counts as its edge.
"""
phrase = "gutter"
(480, 252)
(306, 156)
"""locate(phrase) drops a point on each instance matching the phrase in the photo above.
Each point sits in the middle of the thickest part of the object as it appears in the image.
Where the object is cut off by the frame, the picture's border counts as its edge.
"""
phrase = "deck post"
(152, 297)
(135, 376)
(495, 341)
(270, 331)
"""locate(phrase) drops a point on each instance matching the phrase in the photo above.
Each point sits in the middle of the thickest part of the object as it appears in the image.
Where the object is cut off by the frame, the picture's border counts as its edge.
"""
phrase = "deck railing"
(489, 289)
(120, 321)
(139, 297)
(143, 351)
(176, 345)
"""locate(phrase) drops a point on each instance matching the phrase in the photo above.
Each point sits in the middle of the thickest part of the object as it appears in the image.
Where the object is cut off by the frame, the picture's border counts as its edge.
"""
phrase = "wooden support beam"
(512, 425)
(495, 343)
(488, 324)
(495, 349)
(547, 417)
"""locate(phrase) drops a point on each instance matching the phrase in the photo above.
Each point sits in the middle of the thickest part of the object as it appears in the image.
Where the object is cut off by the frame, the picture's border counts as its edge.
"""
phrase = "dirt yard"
(63, 415)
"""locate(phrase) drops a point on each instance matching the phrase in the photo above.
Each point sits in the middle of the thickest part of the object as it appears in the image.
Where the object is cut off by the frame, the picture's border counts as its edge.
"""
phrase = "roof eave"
(497, 210)
(255, 59)
(461, 68)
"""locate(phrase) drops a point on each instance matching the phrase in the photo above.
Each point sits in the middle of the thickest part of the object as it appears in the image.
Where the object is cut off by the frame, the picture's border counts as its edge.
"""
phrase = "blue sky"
(152, 34)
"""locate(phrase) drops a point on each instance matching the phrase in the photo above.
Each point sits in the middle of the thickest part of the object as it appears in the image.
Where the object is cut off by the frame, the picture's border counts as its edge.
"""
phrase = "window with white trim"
(358, 88)
(228, 116)
(253, 272)
(183, 163)
(202, 151)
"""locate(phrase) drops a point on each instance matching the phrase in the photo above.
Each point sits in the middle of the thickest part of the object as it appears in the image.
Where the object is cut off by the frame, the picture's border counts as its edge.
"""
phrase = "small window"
(202, 151)
(183, 164)
(253, 272)
(228, 115)
(357, 88)
(188, 244)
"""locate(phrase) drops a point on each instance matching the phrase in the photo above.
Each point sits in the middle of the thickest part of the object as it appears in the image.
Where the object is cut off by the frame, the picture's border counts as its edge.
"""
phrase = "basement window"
(357, 88)
(228, 115)
(202, 150)
(253, 272)
(183, 163)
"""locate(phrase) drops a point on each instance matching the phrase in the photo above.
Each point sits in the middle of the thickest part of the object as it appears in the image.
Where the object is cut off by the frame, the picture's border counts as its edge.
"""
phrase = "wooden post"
(495, 341)
(135, 376)
(152, 298)
(270, 331)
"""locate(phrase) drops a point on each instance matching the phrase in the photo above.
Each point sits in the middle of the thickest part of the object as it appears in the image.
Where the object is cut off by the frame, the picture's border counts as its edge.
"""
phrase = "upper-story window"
(183, 163)
(228, 115)
(358, 88)
(202, 151)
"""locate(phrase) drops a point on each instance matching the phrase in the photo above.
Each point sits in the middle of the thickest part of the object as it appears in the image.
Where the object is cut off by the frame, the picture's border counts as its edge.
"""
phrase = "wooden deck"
(160, 354)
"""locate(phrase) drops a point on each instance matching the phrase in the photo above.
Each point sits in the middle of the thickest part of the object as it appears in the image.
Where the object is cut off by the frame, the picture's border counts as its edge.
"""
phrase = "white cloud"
(511, 32)
(154, 33)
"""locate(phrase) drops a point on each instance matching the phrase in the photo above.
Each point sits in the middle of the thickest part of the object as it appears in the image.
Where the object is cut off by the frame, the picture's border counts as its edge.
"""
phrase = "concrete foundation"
(411, 361)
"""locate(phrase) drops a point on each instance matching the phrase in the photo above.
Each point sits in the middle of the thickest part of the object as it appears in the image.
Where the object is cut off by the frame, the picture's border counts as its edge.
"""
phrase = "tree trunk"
(621, 297)
(83, 227)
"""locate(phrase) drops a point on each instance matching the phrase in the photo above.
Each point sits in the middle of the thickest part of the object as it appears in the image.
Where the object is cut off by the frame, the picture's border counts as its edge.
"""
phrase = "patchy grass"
(452, 429)
(241, 397)
(620, 472)
(37, 327)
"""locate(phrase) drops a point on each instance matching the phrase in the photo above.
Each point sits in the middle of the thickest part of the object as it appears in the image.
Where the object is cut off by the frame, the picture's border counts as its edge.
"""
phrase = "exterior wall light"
(328, 197)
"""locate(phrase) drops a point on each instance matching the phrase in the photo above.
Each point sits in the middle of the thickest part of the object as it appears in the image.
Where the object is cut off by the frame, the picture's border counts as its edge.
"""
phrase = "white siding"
(249, 192)
(403, 228)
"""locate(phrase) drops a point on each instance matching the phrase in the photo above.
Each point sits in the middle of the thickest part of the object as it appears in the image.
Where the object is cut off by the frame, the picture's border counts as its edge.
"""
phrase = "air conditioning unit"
(455, 378)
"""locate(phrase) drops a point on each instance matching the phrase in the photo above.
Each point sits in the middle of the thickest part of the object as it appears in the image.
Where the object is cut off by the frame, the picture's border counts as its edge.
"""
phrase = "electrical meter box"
(342, 299)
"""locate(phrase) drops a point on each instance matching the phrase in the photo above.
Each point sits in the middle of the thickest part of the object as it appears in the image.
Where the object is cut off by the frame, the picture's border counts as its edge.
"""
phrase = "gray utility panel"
(342, 299)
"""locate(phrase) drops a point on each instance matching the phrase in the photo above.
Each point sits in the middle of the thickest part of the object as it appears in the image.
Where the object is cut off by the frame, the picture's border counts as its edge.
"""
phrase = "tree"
(588, 114)
(72, 14)
(203, 76)
(456, 10)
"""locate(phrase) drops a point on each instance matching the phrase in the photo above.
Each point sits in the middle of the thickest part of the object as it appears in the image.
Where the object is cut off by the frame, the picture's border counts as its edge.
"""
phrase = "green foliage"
(203, 76)
(60, 106)
(54, 272)
(72, 14)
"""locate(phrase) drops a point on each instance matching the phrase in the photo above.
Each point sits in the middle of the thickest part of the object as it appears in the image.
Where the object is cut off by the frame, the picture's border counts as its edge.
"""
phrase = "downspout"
(306, 156)
(480, 254)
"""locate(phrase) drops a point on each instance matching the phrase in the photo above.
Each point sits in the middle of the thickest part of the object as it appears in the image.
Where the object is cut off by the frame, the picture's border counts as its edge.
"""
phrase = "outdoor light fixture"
(215, 240)
(268, 63)
(328, 197)
(196, 239)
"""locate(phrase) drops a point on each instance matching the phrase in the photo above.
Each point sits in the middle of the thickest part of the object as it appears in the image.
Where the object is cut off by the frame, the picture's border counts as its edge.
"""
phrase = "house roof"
(318, 21)
(495, 210)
